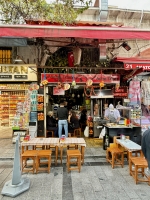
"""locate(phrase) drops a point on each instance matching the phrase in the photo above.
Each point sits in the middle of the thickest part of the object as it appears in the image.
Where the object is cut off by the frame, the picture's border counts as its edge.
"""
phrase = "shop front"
(78, 92)
(96, 97)
(14, 85)
(100, 80)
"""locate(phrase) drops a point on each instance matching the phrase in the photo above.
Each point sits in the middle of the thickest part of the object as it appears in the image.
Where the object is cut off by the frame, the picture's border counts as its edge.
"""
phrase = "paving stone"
(96, 185)
(56, 197)
(89, 194)
(77, 186)
(142, 194)
(78, 196)
(102, 195)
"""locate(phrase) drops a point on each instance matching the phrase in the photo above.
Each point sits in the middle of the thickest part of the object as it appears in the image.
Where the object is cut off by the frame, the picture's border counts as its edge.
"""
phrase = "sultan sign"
(129, 66)
(13, 72)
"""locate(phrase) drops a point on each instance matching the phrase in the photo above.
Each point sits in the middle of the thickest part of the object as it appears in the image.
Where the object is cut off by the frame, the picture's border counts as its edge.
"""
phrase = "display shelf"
(90, 125)
(8, 105)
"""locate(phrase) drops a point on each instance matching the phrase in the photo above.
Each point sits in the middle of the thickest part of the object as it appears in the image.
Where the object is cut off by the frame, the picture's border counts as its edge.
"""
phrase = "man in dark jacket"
(146, 147)
(62, 115)
(51, 123)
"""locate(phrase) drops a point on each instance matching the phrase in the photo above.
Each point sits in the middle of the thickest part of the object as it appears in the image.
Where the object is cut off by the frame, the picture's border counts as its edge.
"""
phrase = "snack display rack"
(10, 95)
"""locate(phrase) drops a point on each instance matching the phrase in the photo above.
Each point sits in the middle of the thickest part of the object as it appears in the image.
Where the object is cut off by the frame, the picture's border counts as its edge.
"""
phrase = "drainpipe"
(103, 9)
(141, 19)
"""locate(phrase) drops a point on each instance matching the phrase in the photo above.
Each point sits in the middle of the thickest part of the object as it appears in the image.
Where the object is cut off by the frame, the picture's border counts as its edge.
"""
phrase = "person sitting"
(73, 122)
(51, 123)
(83, 119)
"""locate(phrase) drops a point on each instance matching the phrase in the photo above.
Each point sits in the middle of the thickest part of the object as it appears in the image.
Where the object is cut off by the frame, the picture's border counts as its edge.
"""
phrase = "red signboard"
(129, 66)
(121, 92)
(57, 91)
(80, 78)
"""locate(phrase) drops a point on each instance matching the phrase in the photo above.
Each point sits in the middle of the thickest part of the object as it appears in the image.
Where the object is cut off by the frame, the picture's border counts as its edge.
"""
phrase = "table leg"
(56, 152)
(130, 163)
(82, 154)
(22, 149)
(61, 152)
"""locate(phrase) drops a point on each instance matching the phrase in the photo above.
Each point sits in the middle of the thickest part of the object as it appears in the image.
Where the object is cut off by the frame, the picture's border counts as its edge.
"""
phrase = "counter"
(133, 132)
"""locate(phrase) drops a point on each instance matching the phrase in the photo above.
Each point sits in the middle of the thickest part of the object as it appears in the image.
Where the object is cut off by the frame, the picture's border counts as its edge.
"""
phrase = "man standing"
(62, 115)
(112, 114)
(146, 148)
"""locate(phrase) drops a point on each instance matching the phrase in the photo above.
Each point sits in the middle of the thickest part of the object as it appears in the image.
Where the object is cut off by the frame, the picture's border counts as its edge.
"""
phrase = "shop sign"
(80, 78)
(57, 91)
(121, 92)
(11, 69)
(20, 76)
(15, 72)
(5, 76)
(129, 66)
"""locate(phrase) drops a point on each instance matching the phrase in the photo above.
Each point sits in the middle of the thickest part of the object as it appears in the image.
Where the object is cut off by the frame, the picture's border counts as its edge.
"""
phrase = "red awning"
(133, 63)
(73, 31)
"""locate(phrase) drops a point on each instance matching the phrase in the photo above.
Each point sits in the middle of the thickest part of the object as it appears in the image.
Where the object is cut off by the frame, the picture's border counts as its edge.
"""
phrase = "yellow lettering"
(24, 70)
(16, 70)
(10, 69)
(4, 69)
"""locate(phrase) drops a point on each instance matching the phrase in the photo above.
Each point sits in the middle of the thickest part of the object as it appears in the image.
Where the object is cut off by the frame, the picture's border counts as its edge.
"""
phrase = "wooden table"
(73, 141)
(42, 142)
(129, 145)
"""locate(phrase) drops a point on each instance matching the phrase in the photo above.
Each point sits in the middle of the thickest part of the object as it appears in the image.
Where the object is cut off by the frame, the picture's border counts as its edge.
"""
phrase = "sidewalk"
(96, 181)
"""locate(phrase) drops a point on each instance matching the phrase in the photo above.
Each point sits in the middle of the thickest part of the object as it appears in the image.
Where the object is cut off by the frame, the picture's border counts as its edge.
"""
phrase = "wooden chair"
(77, 132)
(73, 154)
(48, 132)
(120, 147)
(27, 156)
(140, 164)
(115, 156)
(43, 154)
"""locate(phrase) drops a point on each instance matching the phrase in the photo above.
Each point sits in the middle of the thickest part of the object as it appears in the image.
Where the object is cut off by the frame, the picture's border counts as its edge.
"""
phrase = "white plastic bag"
(86, 131)
(102, 133)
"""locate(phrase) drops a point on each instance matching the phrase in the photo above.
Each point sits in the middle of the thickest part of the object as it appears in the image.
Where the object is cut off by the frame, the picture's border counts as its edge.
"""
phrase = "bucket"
(87, 101)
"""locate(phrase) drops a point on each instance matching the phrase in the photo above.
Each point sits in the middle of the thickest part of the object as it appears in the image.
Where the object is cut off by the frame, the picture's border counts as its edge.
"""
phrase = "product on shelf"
(40, 98)
(11, 95)
(40, 106)
(40, 116)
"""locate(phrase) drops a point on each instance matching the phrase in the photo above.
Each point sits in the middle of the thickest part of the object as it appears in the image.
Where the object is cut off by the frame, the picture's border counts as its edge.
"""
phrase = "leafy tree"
(61, 11)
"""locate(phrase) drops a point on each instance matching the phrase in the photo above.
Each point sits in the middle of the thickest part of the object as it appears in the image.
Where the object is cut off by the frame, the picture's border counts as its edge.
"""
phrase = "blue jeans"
(62, 123)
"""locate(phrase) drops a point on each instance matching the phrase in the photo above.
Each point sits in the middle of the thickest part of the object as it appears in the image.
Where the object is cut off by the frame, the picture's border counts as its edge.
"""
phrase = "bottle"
(106, 141)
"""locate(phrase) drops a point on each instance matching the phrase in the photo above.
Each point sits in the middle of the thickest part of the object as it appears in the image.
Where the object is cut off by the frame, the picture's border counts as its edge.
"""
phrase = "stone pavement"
(96, 181)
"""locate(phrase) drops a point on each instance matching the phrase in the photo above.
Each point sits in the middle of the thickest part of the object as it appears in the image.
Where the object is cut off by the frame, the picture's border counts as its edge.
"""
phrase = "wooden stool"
(48, 131)
(139, 164)
(73, 154)
(114, 159)
(29, 154)
(72, 146)
(77, 132)
(43, 154)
